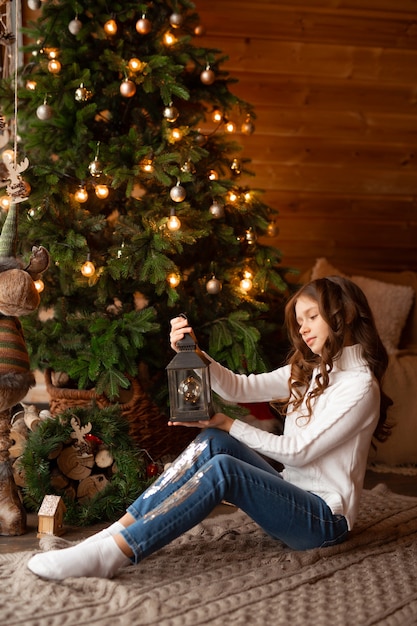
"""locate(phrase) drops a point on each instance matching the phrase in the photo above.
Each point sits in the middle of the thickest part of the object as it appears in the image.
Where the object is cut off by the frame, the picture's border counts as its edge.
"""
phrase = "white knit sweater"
(328, 454)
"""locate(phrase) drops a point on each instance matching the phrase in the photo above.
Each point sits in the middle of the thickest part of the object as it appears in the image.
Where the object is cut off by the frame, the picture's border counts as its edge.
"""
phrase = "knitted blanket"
(227, 571)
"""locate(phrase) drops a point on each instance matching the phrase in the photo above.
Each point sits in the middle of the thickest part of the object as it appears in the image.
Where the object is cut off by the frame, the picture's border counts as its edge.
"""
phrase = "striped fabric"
(13, 352)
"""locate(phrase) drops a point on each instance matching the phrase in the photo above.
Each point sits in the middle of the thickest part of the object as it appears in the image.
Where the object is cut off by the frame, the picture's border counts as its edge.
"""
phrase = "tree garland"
(126, 479)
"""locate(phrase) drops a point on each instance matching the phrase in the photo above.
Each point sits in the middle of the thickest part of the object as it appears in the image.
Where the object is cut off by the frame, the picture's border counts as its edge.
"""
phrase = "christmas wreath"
(84, 455)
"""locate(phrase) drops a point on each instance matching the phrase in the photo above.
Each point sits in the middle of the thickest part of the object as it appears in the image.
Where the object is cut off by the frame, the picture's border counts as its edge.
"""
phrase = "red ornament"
(152, 470)
(93, 439)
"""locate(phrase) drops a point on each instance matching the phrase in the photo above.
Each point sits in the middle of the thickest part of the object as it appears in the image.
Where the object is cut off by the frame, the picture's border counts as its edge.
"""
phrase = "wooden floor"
(399, 483)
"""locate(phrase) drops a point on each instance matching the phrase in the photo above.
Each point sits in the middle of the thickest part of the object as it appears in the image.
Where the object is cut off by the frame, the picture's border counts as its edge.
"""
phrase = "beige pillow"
(390, 303)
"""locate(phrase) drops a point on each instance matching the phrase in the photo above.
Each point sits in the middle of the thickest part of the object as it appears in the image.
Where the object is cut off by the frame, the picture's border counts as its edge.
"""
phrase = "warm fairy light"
(169, 39)
(102, 191)
(213, 175)
(147, 165)
(81, 195)
(248, 196)
(134, 64)
(173, 280)
(5, 202)
(232, 196)
(176, 134)
(88, 269)
(173, 223)
(31, 85)
(39, 285)
(110, 27)
(230, 127)
(54, 66)
(52, 53)
(246, 282)
(217, 115)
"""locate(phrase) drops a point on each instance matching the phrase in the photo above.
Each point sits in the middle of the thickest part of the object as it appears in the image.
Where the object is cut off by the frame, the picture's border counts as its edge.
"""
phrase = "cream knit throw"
(228, 572)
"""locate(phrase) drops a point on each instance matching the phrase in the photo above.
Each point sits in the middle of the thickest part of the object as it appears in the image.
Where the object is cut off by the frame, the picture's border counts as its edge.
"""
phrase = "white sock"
(114, 529)
(101, 559)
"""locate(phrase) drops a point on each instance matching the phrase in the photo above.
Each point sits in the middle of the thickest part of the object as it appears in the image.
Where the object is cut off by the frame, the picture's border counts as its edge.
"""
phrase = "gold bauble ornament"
(247, 127)
(82, 94)
(128, 88)
(177, 193)
(171, 114)
(199, 30)
(213, 286)
(95, 168)
(143, 26)
(207, 77)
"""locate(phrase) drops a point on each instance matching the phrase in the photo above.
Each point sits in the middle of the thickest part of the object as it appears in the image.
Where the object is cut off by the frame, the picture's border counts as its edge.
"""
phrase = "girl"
(334, 405)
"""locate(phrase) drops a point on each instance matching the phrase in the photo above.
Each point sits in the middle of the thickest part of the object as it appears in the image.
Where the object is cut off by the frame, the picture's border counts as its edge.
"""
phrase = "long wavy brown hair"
(345, 309)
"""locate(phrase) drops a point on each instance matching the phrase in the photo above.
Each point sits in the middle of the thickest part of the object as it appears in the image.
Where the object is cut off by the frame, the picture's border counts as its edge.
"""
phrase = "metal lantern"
(189, 384)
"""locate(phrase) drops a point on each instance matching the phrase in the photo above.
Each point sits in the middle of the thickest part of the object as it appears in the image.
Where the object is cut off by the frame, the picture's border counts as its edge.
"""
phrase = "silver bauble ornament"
(128, 88)
(207, 77)
(34, 5)
(75, 26)
(143, 26)
(176, 19)
(213, 286)
(177, 193)
(200, 139)
(171, 114)
(44, 112)
(95, 168)
(217, 210)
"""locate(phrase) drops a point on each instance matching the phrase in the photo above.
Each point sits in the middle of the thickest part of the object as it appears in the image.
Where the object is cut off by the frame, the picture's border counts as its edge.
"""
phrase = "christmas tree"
(135, 187)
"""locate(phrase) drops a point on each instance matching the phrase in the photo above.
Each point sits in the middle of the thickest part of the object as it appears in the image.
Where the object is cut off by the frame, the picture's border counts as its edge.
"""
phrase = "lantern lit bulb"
(232, 196)
(173, 280)
(246, 282)
(5, 202)
(217, 115)
(147, 165)
(110, 27)
(39, 285)
(54, 66)
(31, 85)
(52, 52)
(88, 269)
(169, 39)
(102, 191)
(173, 223)
(190, 389)
(213, 175)
(81, 195)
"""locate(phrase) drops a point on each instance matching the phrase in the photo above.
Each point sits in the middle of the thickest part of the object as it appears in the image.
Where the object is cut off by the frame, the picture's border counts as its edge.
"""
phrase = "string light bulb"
(246, 282)
(39, 285)
(5, 202)
(81, 195)
(232, 196)
(147, 165)
(102, 191)
(173, 223)
(169, 39)
(230, 127)
(134, 64)
(54, 66)
(173, 280)
(31, 85)
(110, 27)
(176, 134)
(88, 268)
(217, 115)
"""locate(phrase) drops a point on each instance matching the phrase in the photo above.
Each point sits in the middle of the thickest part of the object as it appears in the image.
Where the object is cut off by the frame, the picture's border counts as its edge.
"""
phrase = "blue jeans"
(216, 467)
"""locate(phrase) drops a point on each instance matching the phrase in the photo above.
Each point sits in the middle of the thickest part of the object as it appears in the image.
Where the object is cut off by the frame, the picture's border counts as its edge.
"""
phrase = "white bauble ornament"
(143, 26)
(176, 19)
(34, 5)
(128, 88)
(207, 77)
(217, 210)
(177, 193)
(75, 26)
(213, 286)
(44, 112)
(247, 127)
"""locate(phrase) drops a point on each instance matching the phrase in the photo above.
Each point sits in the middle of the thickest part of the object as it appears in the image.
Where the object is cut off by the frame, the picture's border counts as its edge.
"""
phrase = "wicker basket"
(147, 426)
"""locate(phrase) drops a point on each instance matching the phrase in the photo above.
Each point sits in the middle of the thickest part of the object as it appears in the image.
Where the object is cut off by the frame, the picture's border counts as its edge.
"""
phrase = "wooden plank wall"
(334, 85)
